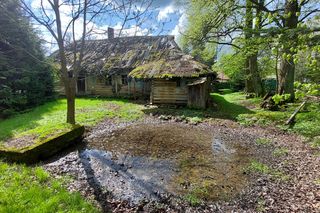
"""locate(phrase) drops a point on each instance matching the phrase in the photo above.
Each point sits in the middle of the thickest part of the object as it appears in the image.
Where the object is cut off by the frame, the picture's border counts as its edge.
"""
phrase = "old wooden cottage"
(151, 67)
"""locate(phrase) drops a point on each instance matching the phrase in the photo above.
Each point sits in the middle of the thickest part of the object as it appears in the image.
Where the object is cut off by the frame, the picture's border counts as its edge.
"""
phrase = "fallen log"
(291, 119)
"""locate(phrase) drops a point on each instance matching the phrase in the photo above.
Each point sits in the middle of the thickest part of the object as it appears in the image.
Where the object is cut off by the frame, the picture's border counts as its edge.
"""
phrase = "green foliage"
(303, 89)
(281, 99)
(206, 53)
(307, 122)
(25, 80)
(233, 66)
(27, 189)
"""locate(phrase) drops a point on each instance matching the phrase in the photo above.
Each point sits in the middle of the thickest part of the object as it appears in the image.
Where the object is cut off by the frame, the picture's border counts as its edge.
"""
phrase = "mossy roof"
(147, 56)
(178, 65)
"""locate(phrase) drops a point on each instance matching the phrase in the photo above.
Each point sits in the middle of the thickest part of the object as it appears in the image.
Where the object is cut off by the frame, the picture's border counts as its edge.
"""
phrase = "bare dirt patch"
(121, 162)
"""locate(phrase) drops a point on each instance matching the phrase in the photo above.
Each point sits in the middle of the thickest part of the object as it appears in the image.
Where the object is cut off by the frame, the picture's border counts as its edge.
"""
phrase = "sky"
(163, 17)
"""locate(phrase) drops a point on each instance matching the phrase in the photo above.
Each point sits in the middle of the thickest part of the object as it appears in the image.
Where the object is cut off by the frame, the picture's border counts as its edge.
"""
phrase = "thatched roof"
(147, 56)
(177, 65)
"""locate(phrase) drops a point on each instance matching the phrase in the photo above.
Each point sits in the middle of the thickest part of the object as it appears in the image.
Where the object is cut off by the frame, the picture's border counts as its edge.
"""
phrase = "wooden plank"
(291, 119)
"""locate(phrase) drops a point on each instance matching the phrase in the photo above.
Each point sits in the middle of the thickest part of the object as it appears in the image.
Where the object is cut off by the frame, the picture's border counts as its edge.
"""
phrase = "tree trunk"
(286, 77)
(248, 79)
(287, 67)
(70, 85)
(253, 81)
(255, 76)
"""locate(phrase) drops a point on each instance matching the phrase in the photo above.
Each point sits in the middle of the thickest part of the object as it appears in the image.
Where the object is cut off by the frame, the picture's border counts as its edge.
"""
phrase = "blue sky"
(164, 17)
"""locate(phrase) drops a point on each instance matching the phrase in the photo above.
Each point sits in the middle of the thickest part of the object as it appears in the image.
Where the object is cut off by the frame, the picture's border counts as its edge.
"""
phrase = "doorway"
(81, 84)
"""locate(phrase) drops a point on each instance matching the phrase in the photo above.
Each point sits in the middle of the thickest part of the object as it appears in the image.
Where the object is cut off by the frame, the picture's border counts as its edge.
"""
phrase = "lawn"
(236, 106)
(31, 189)
(50, 118)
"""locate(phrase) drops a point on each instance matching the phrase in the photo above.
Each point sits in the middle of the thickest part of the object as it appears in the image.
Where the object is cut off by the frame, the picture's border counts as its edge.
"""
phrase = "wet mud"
(150, 161)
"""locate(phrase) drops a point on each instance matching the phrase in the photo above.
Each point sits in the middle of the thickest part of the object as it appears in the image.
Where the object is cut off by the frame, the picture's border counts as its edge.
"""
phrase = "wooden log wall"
(167, 92)
(134, 88)
(198, 96)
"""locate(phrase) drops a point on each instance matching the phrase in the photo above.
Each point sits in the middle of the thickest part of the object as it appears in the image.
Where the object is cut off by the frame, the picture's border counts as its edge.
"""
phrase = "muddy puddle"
(148, 161)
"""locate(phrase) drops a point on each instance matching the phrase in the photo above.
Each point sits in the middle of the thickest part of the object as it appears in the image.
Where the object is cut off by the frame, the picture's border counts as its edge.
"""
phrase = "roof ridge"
(133, 37)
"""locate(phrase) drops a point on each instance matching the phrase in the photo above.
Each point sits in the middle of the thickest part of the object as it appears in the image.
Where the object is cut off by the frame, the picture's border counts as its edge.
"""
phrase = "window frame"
(124, 79)
(108, 81)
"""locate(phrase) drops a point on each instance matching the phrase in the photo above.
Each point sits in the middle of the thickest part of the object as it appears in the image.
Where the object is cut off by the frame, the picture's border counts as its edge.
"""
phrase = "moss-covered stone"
(43, 149)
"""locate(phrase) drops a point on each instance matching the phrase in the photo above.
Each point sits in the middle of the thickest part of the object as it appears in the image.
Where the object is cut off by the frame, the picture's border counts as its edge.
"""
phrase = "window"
(124, 79)
(109, 81)
(178, 83)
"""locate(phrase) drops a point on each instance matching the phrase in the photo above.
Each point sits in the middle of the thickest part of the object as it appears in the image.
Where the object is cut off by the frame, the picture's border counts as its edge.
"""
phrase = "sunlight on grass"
(234, 104)
(230, 105)
(50, 117)
(27, 189)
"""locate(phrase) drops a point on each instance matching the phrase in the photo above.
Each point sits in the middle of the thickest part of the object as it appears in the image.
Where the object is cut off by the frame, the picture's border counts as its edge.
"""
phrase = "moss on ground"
(44, 149)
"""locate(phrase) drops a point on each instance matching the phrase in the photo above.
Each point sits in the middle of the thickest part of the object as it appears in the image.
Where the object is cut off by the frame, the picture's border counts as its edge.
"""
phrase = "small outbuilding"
(178, 80)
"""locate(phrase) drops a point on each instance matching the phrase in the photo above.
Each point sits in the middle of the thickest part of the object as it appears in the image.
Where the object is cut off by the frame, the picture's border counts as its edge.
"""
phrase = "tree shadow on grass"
(24, 121)
(222, 109)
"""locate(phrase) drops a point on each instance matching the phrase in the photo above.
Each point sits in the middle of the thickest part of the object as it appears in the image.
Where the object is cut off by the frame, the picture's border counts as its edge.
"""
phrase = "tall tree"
(285, 16)
(287, 66)
(253, 79)
(227, 22)
(81, 14)
(25, 78)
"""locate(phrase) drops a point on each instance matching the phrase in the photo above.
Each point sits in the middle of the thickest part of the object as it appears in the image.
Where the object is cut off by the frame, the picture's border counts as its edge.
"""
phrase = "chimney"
(110, 33)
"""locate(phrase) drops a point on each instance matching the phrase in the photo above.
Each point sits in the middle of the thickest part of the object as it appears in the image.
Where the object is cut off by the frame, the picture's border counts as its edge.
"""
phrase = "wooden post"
(291, 119)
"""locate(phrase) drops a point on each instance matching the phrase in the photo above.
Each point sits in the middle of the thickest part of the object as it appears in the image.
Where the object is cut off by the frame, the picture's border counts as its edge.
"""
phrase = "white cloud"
(165, 12)
(179, 28)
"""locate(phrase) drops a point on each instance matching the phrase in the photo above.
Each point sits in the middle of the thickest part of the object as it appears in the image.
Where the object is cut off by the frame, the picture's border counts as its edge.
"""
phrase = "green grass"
(263, 141)
(315, 143)
(193, 199)
(228, 106)
(236, 106)
(27, 189)
(258, 167)
(50, 118)
(231, 105)
(260, 206)
(280, 152)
